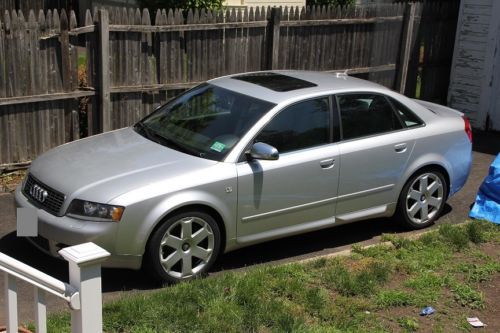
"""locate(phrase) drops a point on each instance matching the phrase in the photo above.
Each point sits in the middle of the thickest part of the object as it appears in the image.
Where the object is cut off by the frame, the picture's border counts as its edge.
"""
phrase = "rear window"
(407, 116)
(274, 81)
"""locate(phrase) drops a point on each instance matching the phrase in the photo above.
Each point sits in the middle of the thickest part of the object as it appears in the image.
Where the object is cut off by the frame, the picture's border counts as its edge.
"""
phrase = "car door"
(375, 150)
(297, 191)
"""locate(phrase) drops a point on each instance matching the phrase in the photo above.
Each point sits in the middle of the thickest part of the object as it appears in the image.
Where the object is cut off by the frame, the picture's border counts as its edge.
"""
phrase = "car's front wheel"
(422, 199)
(184, 247)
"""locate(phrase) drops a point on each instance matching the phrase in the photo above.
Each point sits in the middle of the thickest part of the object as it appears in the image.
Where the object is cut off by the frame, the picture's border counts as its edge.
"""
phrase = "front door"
(297, 191)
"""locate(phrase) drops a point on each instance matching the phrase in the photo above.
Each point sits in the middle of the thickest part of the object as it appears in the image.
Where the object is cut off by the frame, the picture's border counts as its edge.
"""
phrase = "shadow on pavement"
(486, 142)
(292, 248)
(286, 249)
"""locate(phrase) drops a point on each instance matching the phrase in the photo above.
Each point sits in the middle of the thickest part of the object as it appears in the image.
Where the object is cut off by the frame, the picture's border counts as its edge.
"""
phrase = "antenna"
(342, 74)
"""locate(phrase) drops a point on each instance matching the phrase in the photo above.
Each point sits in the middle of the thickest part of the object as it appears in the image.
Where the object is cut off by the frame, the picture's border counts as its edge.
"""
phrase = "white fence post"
(85, 275)
(11, 302)
(40, 310)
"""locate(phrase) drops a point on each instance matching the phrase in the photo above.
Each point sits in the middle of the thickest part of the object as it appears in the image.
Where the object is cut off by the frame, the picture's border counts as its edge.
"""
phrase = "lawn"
(455, 269)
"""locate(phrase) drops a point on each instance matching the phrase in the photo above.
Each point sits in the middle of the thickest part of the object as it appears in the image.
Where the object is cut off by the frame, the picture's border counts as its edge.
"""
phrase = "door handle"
(327, 164)
(400, 148)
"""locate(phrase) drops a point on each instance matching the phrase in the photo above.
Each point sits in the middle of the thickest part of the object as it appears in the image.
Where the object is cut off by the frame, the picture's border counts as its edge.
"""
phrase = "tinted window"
(276, 82)
(406, 115)
(302, 125)
(366, 114)
(207, 121)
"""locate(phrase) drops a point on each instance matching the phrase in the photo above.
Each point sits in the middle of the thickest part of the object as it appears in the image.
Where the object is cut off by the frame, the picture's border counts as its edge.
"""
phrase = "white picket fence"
(83, 293)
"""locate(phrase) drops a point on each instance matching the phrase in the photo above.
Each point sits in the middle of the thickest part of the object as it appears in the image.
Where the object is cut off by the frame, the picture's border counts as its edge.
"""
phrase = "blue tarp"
(487, 205)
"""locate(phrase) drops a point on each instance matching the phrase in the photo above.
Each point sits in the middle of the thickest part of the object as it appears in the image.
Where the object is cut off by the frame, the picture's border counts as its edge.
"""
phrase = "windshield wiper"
(144, 129)
(156, 137)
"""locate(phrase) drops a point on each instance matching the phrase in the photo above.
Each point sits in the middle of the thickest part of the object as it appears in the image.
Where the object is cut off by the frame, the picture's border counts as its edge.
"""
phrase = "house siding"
(473, 70)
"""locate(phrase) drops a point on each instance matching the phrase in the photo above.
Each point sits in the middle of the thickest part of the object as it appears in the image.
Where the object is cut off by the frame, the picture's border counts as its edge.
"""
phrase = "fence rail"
(84, 299)
(59, 81)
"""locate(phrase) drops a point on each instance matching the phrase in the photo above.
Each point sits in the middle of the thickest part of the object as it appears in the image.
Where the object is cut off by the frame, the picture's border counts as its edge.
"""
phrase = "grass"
(376, 289)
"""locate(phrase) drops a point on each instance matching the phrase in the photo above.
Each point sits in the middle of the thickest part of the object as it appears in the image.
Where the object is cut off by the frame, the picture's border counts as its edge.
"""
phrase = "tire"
(184, 247)
(422, 199)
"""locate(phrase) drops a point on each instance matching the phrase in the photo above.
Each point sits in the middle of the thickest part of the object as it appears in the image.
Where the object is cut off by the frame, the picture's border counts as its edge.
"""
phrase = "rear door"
(375, 150)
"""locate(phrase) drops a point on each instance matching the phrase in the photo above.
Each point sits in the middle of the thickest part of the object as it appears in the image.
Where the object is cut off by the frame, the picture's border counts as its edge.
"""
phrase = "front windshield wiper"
(144, 129)
(156, 137)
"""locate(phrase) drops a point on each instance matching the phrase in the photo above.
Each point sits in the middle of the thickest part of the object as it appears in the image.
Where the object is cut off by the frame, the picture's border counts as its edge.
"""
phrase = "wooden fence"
(131, 61)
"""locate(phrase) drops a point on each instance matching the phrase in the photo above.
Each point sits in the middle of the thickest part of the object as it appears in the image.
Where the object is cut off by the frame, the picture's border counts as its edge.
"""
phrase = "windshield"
(207, 121)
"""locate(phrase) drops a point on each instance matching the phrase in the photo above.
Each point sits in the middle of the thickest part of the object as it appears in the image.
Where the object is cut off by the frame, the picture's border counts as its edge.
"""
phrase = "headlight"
(93, 211)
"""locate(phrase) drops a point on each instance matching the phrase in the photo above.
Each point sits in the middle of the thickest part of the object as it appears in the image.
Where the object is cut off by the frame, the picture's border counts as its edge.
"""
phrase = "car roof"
(319, 82)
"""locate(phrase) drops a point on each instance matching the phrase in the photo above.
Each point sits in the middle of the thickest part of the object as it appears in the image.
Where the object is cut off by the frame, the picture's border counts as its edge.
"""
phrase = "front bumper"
(62, 231)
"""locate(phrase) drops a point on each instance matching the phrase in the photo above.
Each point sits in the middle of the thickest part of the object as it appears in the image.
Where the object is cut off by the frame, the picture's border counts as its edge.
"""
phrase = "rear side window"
(406, 115)
(302, 125)
(366, 114)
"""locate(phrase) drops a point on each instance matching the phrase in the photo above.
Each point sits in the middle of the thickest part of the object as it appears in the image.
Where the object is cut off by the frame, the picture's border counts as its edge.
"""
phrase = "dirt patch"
(491, 314)
(10, 180)
(450, 316)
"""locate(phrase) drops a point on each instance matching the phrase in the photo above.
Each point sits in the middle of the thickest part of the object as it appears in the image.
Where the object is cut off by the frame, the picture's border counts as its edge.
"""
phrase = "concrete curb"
(348, 252)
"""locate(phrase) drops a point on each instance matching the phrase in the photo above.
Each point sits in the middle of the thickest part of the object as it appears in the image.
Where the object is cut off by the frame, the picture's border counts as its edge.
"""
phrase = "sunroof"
(274, 81)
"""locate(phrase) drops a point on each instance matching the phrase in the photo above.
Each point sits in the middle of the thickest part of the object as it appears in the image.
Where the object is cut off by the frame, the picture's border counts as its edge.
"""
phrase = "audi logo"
(38, 193)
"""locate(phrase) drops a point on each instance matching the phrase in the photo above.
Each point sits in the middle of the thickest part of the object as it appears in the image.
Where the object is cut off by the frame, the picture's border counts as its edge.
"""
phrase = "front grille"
(52, 202)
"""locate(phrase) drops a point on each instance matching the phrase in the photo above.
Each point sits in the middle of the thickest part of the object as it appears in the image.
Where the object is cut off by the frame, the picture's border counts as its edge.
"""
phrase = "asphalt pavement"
(118, 281)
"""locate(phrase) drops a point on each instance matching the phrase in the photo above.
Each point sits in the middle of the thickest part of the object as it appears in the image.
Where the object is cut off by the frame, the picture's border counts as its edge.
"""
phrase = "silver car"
(244, 159)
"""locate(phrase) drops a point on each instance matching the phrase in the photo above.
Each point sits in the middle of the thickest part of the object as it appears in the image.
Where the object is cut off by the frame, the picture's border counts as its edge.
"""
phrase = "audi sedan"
(244, 159)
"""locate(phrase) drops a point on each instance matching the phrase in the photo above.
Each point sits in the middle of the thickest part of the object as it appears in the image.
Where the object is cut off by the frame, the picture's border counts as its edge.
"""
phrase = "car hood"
(102, 167)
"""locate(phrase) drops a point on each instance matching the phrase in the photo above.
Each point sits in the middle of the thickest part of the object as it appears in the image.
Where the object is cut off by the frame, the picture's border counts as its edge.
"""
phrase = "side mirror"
(263, 151)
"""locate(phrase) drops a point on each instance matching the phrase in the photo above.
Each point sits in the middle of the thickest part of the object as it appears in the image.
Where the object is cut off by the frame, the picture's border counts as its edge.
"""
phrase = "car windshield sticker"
(218, 146)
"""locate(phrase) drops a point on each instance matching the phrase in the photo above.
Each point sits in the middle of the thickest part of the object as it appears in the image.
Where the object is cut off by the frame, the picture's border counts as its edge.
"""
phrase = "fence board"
(152, 62)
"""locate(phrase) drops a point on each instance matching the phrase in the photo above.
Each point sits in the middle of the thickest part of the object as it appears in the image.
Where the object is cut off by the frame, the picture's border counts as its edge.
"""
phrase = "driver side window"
(302, 125)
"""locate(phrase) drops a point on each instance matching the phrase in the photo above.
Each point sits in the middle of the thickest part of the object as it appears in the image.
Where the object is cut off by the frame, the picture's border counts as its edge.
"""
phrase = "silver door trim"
(365, 192)
(288, 210)
(253, 218)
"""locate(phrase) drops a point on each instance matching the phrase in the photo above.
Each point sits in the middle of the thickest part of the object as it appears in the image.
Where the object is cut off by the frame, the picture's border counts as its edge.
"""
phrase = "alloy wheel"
(424, 198)
(186, 247)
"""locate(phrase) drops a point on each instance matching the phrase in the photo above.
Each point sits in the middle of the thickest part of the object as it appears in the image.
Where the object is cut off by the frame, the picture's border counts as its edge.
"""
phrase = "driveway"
(117, 281)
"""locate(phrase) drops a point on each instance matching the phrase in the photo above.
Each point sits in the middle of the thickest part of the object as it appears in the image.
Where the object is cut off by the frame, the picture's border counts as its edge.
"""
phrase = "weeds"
(350, 294)
(465, 295)
(391, 298)
(454, 236)
(364, 282)
(409, 324)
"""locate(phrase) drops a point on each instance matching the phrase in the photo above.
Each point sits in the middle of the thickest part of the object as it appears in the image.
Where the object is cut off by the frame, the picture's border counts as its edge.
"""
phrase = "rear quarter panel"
(442, 142)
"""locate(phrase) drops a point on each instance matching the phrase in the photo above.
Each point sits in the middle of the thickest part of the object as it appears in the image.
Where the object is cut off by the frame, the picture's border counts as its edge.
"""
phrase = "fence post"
(85, 276)
(273, 39)
(10, 302)
(40, 310)
(65, 59)
(406, 47)
(103, 60)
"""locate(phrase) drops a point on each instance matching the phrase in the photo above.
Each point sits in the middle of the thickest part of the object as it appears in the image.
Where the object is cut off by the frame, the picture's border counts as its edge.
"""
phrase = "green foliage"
(409, 324)
(330, 2)
(363, 282)
(456, 237)
(390, 298)
(466, 296)
(152, 5)
(479, 272)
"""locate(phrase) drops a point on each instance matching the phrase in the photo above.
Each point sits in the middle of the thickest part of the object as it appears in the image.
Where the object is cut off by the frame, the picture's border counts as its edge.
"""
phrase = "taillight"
(468, 129)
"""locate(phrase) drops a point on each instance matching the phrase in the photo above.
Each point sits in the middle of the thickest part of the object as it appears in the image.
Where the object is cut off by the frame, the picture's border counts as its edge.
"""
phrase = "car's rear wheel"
(422, 199)
(184, 247)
